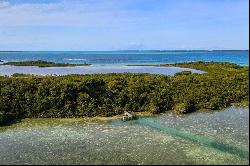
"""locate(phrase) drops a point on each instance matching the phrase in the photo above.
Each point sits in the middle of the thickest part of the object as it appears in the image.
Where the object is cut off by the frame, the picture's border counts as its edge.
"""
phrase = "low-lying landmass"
(41, 63)
(22, 75)
(107, 95)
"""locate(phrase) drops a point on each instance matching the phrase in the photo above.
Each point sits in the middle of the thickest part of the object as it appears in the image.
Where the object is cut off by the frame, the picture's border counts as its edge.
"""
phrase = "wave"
(76, 59)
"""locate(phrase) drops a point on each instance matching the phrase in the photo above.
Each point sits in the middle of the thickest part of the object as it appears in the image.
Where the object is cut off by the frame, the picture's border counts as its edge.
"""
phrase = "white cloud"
(4, 4)
(120, 24)
(66, 13)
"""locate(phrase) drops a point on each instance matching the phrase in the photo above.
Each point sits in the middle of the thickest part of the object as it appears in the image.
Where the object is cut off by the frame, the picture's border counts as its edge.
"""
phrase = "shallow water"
(54, 141)
(116, 61)
(93, 69)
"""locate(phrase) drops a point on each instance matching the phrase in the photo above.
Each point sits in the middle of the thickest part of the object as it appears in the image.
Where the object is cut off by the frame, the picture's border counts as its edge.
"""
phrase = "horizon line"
(160, 50)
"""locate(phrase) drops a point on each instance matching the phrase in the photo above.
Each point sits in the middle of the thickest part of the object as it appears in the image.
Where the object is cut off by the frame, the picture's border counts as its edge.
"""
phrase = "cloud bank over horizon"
(127, 24)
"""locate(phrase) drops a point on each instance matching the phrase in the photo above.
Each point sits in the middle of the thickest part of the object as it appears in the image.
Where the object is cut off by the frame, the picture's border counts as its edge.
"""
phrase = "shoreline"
(103, 119)
(97, 119)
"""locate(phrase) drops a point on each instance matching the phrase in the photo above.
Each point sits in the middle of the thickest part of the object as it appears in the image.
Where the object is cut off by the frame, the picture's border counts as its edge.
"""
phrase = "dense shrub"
(111, 94)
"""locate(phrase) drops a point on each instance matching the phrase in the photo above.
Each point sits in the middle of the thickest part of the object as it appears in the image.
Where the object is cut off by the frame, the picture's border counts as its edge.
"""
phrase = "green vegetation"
(21, 75)
(111, 94)
(183, 73)
(6, 118)
(41, 63)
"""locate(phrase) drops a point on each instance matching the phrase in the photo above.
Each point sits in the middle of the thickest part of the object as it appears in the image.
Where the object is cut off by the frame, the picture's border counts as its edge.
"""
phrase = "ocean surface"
(198, 138)
(103, 62)
(129, 57)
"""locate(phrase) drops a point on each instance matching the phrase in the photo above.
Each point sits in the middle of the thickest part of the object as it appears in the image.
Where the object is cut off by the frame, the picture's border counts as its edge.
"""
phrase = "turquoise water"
(198, 138)
(93, 69)
(129, 57)
(227, 148)
(116, 61)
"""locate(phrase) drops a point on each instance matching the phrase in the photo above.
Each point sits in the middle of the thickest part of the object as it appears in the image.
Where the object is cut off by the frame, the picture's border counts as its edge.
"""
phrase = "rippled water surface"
(180, 139)
(95, 69)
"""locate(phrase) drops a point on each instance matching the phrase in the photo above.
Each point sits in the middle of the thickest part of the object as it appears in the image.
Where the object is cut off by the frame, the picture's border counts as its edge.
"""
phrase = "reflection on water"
(40, 141)
(93, 69)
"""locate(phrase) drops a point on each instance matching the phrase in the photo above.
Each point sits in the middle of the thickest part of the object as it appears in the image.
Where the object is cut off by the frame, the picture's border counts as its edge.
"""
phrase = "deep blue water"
(129, 57)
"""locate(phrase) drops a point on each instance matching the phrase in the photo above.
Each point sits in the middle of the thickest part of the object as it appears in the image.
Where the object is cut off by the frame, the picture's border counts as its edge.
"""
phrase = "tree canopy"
(111, 94)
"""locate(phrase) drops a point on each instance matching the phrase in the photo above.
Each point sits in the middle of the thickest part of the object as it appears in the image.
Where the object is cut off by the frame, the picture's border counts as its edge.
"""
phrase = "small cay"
(41, 63)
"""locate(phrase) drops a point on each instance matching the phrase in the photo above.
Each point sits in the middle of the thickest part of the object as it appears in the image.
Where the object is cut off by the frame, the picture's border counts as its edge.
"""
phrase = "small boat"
(127, 116)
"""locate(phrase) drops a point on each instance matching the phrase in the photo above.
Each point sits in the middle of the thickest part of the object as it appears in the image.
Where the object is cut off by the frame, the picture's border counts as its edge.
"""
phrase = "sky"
(78, 25)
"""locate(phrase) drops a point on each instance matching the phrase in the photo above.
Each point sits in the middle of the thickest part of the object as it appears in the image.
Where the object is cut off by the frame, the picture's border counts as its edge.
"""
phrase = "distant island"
(186, 50)
(41, 63)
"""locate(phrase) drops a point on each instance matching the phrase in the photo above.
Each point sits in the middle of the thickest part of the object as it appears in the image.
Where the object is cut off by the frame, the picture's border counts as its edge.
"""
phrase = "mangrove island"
(41, 63)
(111, 94)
